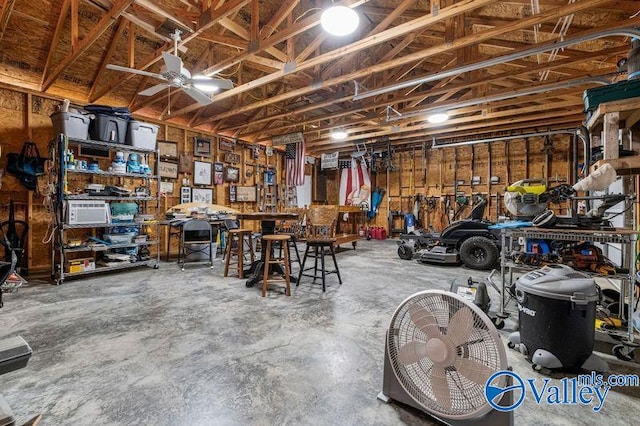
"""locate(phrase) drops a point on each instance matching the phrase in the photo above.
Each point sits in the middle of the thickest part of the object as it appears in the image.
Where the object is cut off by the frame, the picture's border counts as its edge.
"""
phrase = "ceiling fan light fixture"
(339, 20)
(339, 134)
(438, 117)
(205, 84)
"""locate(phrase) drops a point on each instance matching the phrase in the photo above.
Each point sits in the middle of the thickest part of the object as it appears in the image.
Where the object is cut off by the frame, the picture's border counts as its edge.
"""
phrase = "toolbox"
(612, 92)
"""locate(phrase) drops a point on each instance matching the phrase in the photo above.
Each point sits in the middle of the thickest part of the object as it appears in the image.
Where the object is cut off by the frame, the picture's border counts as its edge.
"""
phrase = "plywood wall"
(25, 117)
(439, 174)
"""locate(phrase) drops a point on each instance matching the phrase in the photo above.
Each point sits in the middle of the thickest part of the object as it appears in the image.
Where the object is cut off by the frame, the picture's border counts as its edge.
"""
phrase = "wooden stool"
(282, 260)
(241, 237)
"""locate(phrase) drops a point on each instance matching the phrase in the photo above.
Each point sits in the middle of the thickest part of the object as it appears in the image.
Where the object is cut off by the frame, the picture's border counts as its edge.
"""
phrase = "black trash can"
(557, 309)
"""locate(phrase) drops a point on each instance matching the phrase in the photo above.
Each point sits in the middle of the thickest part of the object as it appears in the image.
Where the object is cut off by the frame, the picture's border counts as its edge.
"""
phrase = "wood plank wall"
(25, 116)
(511, 161)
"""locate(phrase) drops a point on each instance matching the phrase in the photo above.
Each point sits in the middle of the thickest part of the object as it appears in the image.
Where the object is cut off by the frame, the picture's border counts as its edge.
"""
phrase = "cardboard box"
(81, 265)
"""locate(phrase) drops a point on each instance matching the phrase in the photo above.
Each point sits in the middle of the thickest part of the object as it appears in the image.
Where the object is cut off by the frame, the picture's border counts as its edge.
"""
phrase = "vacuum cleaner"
(557, 312)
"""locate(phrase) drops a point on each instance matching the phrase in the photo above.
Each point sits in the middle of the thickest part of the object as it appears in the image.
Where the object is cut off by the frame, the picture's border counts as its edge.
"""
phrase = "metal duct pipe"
(503, 96)
(557, 44)
(633, 61)
(504, 138)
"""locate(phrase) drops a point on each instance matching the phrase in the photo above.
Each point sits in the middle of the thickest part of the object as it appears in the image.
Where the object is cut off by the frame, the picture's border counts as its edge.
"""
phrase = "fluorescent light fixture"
(339, 20)
(438, 117)
(205, 84)
(339, 135)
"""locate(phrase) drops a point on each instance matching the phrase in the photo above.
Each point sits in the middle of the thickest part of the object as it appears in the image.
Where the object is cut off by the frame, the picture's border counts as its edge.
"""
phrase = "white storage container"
(142, 135)
(74, 125)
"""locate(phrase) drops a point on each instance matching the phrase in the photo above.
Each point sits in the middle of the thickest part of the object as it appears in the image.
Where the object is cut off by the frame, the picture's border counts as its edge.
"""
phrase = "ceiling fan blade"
(173, 63)
(460, 326)
(412, 352)
(440, 386)
(425, 322)
(133, 70)
(473, 370)
(202, 98)
(154, 89)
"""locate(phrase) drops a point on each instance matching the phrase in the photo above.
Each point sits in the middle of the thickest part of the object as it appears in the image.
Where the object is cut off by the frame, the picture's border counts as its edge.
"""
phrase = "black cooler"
(557, 309)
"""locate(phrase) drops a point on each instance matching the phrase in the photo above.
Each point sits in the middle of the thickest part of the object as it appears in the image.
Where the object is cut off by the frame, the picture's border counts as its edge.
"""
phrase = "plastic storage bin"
(108, 128)
(142, 135)
(74, 125)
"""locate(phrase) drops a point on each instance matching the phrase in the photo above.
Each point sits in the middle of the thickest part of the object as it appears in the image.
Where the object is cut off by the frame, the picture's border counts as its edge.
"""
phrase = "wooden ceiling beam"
(208, 20)
(285, 10)
(91, 37)
(55, 38)
(443, 14)
(364, 43)
(5, 14)
(109, 54)
(281, 36)
(242, 33)
(156, 8)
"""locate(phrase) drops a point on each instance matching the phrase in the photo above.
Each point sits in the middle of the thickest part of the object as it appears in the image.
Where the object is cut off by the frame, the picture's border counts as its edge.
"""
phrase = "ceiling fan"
(176, 75)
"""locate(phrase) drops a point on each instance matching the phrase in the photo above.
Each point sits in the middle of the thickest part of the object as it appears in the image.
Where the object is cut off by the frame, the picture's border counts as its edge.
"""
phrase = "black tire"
(405, 252)
(479, 253)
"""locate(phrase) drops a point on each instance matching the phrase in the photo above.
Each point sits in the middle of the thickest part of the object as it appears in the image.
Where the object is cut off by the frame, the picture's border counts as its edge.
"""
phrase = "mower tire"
(479, 253)
(405, 251)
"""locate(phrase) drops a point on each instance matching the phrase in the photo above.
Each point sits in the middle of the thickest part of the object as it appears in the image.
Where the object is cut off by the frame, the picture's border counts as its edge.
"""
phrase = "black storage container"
(14, 354)
(557, 309)
(108, 128)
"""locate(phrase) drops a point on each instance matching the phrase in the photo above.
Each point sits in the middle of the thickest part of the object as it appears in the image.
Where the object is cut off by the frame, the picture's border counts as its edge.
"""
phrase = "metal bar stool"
(270, 259)
(320, 233)
(237, 240)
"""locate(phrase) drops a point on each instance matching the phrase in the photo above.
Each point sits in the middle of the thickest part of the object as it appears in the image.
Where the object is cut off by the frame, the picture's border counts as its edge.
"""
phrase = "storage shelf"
(98, 225)
(620, 237)
(109, 247)
(108, 198)
(60, 252)
(110, 145)
(112, 174)
(125, 265)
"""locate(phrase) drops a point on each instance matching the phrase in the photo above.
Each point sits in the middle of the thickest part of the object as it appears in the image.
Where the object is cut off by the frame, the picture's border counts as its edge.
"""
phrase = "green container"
(613, 92)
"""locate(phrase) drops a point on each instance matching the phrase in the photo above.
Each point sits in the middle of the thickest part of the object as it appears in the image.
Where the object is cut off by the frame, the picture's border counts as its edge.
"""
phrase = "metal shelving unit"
(627, 238)
(60, 248)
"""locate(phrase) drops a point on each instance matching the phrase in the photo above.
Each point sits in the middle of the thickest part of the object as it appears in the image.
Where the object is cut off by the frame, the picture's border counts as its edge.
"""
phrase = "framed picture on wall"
(246, 193)
(201, 173)
(168, 170)
(231, 174)
(218, 173)
(168, 149)
(232, 194)
(202, 195)
(185, 194)
(201, 147)
(185, 163)
(166, 188)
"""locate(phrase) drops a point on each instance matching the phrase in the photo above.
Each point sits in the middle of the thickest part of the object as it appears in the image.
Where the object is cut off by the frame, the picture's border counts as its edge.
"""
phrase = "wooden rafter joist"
(109, 54)
(5, 13)
(55, 38)
(400, 30)
(285, 10)
(364, 43)
(167, 14)
(91, 37)
(454, 128)
(208, 20)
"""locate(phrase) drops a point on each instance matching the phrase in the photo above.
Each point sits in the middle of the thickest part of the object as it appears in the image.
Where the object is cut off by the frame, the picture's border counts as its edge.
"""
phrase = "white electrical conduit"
(556, 44)
(502, 96)
(503, 138)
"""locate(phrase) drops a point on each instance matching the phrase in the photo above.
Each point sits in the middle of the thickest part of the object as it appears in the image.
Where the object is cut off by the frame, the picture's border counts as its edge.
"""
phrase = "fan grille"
(483, 346)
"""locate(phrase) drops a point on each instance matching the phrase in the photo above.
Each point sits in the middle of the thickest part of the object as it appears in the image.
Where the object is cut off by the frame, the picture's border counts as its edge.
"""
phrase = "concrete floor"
(166, 347)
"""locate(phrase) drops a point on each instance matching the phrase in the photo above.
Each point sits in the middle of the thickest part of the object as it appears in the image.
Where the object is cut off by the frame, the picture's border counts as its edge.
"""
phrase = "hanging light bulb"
(437, 118)
(339, 134)
(339, 20)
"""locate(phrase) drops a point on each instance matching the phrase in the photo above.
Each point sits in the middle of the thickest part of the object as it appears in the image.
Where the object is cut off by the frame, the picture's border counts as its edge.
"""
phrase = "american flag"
(294, 161)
